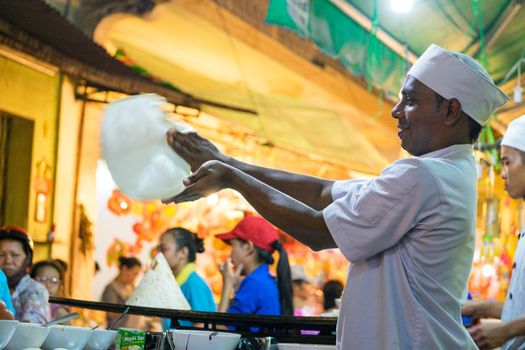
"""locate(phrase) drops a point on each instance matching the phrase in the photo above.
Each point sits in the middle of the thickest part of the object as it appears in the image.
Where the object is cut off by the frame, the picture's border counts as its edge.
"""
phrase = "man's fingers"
(474, 331)
(188, 198)
(483, 344)
(188, 195)
(188, 192)
(195, 177)
(191, 190)
(177, 141)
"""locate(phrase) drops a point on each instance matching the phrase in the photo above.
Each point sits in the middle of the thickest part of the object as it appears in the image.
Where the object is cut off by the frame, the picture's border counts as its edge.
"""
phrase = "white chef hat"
(515, 135)
(455, 75)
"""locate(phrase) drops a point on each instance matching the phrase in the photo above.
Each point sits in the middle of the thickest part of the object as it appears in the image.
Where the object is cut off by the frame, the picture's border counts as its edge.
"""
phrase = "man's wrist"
(223, 158)
(514, 328)
(494, 309)
(232, 176)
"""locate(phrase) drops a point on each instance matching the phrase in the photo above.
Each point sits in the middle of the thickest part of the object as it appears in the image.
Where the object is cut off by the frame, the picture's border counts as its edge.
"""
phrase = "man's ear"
(453, 112)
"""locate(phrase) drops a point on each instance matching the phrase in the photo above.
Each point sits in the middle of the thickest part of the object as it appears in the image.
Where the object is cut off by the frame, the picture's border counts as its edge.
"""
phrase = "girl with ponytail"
(180, 247)
(253, 241)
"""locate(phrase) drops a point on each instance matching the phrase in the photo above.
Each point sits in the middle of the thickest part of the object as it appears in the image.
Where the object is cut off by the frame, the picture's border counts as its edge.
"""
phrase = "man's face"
(513, 172)
(419, 116)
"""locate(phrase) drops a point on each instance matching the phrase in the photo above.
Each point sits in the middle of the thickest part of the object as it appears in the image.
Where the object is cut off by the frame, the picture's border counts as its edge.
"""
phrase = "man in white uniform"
(409, 233)
(511, 331)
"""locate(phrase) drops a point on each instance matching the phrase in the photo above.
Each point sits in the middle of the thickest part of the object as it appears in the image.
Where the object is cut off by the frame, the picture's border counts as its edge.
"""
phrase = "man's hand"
(211, 177)
(473, 309)
(482, 309)
(5, 313)
(193, 148)
(489, 335)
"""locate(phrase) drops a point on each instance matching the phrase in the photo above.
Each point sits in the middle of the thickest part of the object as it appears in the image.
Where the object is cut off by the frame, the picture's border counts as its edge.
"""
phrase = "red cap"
(254, 229)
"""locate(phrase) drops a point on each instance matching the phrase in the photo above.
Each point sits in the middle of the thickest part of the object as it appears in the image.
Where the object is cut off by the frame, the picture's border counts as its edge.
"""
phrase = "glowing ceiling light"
(401, 6)
(124, 205)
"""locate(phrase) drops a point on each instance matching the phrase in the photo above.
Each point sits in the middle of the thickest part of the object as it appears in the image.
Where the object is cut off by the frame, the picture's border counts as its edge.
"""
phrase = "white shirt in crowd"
(409, 235)
(514, 306)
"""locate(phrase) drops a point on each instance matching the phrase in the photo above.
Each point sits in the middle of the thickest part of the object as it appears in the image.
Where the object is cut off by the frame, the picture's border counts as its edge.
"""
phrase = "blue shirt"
(5, 294)
(258, 294)
(196, 292)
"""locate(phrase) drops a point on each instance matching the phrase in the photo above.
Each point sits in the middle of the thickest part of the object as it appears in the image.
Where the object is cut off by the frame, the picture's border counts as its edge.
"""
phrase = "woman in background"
(121, 289)
(180, 247)
(30, 298)
(51, 274)
(332, 292)
(253, 241)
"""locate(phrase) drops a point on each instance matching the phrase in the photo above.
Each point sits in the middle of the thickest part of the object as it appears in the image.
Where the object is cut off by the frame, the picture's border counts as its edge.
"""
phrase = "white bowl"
(293, 346)
(7, 329)
(67, 337)
(101, 339)
(27, 335)
(205, 340)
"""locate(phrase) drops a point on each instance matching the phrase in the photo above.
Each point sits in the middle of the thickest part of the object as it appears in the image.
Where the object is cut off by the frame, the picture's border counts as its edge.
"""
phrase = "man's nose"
(396, 111)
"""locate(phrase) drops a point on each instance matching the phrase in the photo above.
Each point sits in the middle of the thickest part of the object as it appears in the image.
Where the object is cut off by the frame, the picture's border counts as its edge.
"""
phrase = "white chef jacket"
(409, 235)
(514, 306)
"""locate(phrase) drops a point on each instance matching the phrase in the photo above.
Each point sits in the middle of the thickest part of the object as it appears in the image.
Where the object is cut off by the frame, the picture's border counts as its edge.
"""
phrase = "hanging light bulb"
(518, 90)
(518, 94)
(401, 6)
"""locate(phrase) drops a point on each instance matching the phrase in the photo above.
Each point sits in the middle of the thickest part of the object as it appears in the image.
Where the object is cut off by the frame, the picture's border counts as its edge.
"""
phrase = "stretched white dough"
(134, 144)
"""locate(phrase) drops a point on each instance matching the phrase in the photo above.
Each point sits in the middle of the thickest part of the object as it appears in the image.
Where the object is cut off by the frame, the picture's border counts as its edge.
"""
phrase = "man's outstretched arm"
(294, 217)
(196, 150)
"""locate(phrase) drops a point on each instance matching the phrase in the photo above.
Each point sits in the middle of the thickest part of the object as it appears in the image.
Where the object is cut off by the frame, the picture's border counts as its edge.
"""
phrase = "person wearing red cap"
(30, 298)
(253, 241)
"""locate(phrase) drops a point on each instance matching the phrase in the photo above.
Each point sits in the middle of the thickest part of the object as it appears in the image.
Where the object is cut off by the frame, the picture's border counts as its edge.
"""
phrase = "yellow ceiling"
(300, 105)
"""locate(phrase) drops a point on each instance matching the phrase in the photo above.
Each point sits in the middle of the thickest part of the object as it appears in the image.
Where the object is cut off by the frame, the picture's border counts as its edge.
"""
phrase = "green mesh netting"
(342, 38)
(457, 25)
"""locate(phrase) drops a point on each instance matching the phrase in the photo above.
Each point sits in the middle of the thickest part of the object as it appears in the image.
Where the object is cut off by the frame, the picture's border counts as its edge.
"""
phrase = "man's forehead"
(412, 86)
(507, 152)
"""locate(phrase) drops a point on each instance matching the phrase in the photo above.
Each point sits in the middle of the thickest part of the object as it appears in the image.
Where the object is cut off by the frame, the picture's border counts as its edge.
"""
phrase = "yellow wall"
(40, 95)
(78, 149)
(33, 94)
(65, 177)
